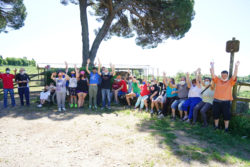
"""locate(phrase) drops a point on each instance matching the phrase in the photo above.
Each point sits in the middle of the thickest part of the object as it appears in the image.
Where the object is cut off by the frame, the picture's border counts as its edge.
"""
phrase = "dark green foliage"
(150, 21)
(17, 61)
(12, 14)
(240, 125)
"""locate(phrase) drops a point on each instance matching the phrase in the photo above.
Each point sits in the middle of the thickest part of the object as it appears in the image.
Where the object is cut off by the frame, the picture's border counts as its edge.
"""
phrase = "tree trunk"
(99, 37)
(85, 31)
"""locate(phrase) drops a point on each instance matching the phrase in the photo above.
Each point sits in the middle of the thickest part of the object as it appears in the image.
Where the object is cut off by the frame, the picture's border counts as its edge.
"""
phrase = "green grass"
(29, 69)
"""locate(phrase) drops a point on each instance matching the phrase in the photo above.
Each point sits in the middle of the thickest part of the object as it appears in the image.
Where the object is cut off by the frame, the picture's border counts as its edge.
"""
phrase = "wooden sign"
(233, 46)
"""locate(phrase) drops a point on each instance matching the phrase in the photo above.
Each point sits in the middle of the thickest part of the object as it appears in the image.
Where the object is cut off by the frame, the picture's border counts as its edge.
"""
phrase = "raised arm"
(99, 67)
(87, 67)
(188, 81)
(77, 71)
(236, 70)
(164, 79)
(212, 70)
(66, 67)
(198, 77)
(53, 76)
(113, 70)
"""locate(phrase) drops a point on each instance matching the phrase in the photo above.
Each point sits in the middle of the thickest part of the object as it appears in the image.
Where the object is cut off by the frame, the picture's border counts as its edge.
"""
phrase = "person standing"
(60, 89)
(82, 87)
(106, 77)
(8, 87)
(93, 85)
(22, 80)
(223, 95)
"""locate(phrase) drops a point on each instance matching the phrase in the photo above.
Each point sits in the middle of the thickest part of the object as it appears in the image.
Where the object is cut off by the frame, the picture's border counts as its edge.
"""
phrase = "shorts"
(160, 99)
(80, 91)
(44, 96)
(72, 91)
(120, 93)
(221, 107)
(155, 98)
(178, 103)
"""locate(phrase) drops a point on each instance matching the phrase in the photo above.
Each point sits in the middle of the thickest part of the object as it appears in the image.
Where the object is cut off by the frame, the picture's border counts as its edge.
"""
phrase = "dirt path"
(30, 138)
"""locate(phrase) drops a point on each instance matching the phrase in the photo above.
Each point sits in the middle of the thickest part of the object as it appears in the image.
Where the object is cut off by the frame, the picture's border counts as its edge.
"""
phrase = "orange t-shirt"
(223, 89)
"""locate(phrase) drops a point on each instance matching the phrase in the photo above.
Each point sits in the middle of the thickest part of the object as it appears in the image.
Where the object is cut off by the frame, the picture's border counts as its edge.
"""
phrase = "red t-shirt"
(7, 80)
(144, 90)
(124, 89)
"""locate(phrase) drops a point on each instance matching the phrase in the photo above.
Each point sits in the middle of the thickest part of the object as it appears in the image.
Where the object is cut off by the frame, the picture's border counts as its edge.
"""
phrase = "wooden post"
(231, 62)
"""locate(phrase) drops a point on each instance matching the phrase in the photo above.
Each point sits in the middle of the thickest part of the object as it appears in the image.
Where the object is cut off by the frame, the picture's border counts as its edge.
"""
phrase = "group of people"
(189, 96)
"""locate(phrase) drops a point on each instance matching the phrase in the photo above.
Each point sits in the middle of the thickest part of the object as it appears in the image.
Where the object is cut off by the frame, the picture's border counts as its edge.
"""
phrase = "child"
(44, 96)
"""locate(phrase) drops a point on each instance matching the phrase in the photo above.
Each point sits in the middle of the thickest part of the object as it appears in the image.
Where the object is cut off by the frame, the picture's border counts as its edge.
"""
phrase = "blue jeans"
(191, 102)
(5, 96)
(140, 101)
(26, 92)
(105, 94)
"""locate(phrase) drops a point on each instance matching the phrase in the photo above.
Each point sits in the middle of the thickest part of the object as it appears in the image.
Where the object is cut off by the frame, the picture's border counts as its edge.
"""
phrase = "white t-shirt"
(72, 82)
(194, 91)
(44, 95)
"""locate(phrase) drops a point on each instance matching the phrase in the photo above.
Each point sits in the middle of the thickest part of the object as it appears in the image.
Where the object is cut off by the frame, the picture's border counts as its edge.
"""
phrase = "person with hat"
(22, 80)
(93, 85)
(8, 87)
(223, 95)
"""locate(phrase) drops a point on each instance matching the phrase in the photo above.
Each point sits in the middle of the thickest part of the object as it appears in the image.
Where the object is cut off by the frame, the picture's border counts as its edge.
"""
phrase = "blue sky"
(52, 34)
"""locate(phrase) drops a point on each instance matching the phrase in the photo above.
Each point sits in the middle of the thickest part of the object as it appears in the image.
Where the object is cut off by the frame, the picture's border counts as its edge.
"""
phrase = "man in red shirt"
(122, 90)
(8, 87)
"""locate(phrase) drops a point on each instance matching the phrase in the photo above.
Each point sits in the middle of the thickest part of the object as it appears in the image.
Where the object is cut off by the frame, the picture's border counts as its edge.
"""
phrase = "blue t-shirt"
(169, 92)
(94, 78)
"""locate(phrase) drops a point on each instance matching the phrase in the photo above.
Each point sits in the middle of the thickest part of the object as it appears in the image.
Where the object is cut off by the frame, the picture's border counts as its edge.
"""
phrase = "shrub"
(240, 125)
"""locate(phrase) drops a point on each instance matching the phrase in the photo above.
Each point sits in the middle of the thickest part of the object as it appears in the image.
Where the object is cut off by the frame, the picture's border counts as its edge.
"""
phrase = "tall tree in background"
(12, 14)
(150, 21)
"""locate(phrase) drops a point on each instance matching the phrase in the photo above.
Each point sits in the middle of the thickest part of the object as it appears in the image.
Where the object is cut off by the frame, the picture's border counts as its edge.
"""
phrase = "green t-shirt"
(135, 87)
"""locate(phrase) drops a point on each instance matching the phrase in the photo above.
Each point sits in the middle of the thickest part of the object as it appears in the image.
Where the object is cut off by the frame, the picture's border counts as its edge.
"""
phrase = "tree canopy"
(12, 14)
(149, 21)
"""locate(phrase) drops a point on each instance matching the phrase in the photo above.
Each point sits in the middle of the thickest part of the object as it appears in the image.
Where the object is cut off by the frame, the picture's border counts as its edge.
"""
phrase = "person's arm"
(77, 72)
(113, 70)
(164, 79)
(212, 70)
(66, 67)
(212, 85)
(153, 95)
(198, 73)
(67, 77)
(87, 67)
(188, 81)
(15, 70)
(236, 70)
(99, 67)
(53, 76)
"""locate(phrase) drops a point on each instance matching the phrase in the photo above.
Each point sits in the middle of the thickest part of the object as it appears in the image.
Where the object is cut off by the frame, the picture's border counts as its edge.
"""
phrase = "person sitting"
(135, 92)
(44, 96)
(8, 87)
(207, 100)
(223, 95)
(122, 90)
(194, 97)
(161, 98)
(154, 93)
(171, 94)
(143, 95)
(115, 86)
(182, 94)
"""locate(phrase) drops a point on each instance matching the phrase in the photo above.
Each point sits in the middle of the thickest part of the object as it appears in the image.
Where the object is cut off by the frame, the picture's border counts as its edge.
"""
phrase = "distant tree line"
(17, 61)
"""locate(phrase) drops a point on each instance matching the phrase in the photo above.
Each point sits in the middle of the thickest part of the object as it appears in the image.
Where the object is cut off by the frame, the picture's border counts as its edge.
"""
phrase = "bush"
(240, 125)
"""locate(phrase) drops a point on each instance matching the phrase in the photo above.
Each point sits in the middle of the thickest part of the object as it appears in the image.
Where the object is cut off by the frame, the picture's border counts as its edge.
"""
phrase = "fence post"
(234, 102)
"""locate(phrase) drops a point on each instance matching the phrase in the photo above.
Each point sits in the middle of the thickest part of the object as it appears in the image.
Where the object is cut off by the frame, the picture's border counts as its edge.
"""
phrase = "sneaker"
(146, 109)
(160, 116)
(216, 127)
(39, 105)
(173, 118)
(96, 107)
(159, 112)
(188, 121)
(64, 109)
(76, 106)
(71, 105)
(185, 118)
(102, 108)
(151, 112)
(90, 106)
(226, 130)
(59, 109)
(109, 108)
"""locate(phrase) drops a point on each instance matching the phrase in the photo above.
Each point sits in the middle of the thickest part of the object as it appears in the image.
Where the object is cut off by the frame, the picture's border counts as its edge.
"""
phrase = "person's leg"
(205, 108)
(194, 102)
(58, 98)
(63, 99)
(95, 89)
(5, 97)
(91, 94)
(226, 113)
(173, 107)
(128, 97)
(103, 98)
(27, 95)
(164, 111)
(21, 92)
(79, 99)
(138, 101)
(12, 96)
(83, 98)
(171, 100)
(142, 101)
(116, 96)
(180, 107)
(185, 106)
(108, 97)
(196, 109)
(216, 113)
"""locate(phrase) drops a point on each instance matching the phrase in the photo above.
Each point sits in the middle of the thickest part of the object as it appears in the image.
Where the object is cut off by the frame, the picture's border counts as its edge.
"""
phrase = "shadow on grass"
(194, 143)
